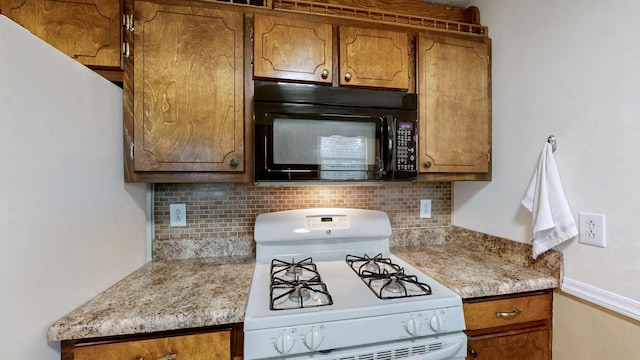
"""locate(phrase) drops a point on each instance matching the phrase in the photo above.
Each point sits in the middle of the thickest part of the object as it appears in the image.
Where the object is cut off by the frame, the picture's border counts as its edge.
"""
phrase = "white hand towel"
(553, 222)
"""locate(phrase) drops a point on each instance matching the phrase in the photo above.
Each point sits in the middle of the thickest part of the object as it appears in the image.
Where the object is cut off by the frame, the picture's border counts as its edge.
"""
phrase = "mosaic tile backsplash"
(220, 217)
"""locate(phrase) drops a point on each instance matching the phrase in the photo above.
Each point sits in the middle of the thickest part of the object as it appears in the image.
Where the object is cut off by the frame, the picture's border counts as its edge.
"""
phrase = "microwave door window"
(338, 149)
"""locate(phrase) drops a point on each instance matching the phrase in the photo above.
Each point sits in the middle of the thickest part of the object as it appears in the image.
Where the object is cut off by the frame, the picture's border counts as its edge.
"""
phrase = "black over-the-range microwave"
(324, 133)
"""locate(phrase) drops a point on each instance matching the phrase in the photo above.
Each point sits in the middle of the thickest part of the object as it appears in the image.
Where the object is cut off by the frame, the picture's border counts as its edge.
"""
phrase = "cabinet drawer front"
(215, 345)
(491, 313)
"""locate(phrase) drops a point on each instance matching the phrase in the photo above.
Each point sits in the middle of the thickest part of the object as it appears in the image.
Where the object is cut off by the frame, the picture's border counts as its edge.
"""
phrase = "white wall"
(569, 68)
(69, 226)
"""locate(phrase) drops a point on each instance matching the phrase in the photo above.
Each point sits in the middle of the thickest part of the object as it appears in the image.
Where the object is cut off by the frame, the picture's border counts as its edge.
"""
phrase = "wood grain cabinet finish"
(454, 104)
(510, 327)
(286, 48)
(374, 58)
(86, 30)
(205, 346)
(188, 89)
(301, 50)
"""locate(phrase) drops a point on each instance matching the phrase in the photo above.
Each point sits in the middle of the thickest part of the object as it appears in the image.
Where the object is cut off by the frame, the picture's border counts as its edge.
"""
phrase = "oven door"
(323, 143)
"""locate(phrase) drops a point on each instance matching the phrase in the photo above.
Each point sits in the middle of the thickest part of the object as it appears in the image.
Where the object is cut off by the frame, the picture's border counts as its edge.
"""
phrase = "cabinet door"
(87, 30)
(374, 58)
(188, 89)
(285, 48)
(206, 346)
(454, 104)
(528, 345)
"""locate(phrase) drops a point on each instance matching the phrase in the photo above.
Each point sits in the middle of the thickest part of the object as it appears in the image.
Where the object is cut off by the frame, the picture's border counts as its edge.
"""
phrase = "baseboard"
(614, 302)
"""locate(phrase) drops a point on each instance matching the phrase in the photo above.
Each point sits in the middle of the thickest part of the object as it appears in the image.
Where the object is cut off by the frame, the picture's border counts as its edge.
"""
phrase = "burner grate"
(297, 285)
(386, 279)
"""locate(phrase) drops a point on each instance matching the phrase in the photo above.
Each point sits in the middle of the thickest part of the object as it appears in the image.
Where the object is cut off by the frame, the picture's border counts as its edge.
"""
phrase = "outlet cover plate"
(178, 215)
(592, 229)
(425, 208)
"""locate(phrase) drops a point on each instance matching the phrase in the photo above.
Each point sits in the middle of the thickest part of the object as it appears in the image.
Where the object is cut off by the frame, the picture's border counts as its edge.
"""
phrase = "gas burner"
(371, 265)
(302, 270)
(386, 279)
(300, 294)
(297, 285)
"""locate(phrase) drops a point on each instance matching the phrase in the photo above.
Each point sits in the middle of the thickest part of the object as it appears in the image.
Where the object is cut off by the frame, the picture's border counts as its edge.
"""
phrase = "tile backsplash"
(225, 213)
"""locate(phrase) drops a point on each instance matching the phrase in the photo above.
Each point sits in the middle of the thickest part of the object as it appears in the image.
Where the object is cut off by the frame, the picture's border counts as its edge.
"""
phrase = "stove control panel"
(305, 339)
(323, 222)
(426, 323)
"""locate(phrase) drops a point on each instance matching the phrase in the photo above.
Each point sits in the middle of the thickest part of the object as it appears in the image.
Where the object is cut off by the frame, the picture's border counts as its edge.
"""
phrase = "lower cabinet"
(213, 344)
(510, 327)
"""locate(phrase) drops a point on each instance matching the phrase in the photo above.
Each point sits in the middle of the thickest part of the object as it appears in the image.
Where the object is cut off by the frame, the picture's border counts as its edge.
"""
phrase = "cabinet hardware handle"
(166, 357)
(515, 312)
(325, 73)
(125, 49)
(127, 22)
(427, 164)
(472, 353)
(347, 76)
(234, 163)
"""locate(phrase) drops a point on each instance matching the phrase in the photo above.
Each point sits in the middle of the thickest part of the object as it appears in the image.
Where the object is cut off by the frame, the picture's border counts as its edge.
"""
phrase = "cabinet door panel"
(454, 104)
(375, 58)
(292, 49)
(87, 30)
(208, 346)
(188, 80)
(533, 345)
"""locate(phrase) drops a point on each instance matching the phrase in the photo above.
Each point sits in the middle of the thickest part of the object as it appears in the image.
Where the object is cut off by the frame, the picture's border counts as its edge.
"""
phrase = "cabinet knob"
(325, 73)
(234, 163)
(472, 353)
(427, 164)
(347, 76)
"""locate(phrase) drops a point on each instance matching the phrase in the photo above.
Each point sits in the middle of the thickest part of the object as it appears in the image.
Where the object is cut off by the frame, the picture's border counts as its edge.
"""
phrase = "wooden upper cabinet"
(375, 58)
(285, 48)
(87, 30)
(300, 50)
(454, 104)
(188, 89)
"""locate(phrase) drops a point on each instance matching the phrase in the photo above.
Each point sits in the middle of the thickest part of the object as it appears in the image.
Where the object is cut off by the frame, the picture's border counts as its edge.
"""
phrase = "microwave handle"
(388, 138)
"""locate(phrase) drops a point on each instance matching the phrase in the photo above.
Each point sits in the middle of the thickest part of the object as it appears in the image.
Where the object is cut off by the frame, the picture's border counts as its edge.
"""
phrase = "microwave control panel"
(406, 146)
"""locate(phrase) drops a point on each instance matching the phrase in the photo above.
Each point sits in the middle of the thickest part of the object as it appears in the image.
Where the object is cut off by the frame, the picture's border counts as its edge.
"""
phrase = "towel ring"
(552, 140)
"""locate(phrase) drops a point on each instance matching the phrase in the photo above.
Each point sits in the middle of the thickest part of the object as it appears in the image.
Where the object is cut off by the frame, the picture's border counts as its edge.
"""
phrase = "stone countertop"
(164, 295)
(472, 273)
(190, 293)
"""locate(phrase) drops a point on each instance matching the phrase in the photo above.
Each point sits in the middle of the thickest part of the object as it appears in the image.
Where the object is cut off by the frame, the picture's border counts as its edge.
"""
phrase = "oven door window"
(340, 148)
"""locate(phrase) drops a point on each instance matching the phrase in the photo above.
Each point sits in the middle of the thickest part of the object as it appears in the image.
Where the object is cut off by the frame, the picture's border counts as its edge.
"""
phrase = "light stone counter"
(473, 274)
(166, 295)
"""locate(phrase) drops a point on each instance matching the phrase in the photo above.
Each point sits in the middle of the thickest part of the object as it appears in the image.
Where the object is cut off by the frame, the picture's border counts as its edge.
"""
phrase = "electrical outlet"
(592, 229)
(425, 208)
(178, 215)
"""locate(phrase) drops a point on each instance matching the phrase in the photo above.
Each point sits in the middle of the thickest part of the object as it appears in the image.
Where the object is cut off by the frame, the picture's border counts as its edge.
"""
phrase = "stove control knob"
(284, 343)
(435, 323)
(313, 339)
(412, 326)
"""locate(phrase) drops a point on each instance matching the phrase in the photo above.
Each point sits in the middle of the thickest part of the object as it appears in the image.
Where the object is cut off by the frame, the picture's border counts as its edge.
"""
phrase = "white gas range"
(325, 286)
